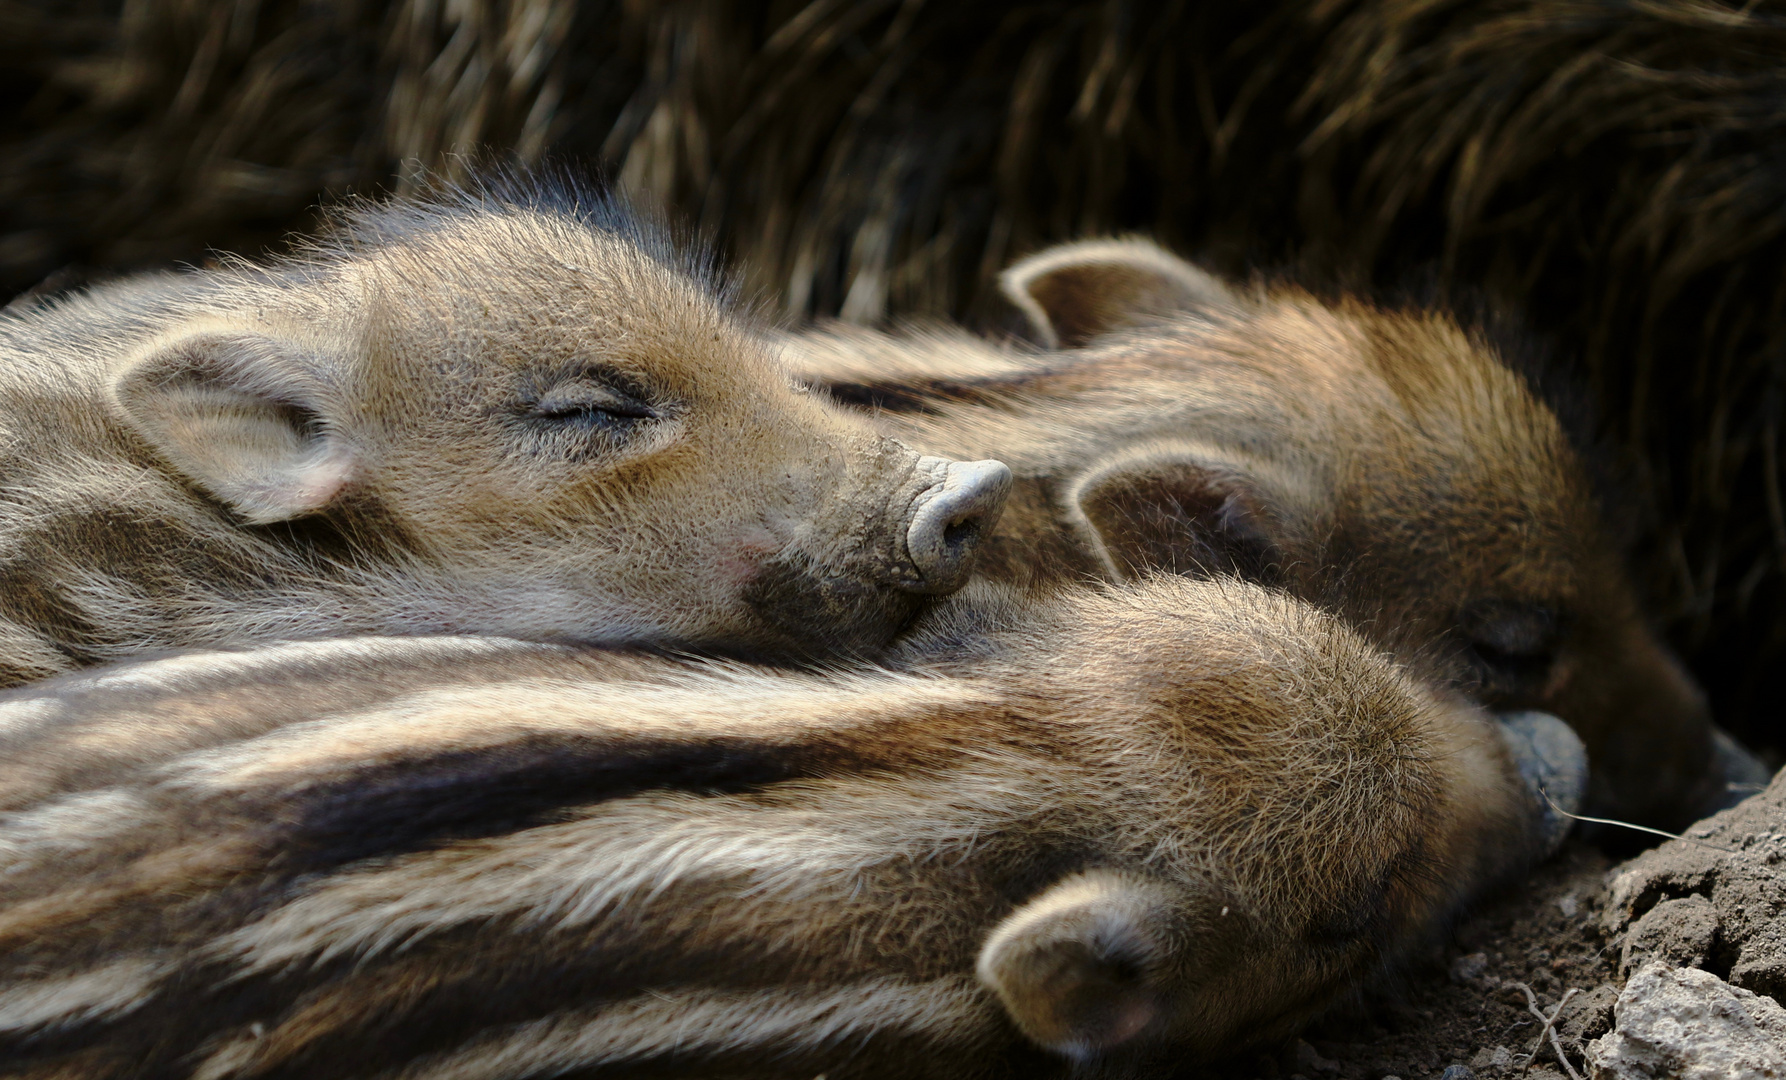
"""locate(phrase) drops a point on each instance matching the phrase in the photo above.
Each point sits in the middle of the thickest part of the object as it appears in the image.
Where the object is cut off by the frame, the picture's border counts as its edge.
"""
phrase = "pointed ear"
(1075, 292)
(1080, 969)
(1181, 509)
(240, 416)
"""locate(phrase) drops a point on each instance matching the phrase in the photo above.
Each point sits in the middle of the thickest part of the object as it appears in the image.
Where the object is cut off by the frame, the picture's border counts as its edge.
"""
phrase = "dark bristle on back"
(1611, 168)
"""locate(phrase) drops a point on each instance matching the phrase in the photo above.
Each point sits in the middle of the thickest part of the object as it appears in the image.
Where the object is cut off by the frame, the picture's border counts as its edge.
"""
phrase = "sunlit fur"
(349, 443)
(461, 857)
(1386, 464)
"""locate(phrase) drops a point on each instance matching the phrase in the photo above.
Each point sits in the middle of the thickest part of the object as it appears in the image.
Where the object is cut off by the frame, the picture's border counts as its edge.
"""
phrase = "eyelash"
(624, 410)
(581, 415)
(590, 402)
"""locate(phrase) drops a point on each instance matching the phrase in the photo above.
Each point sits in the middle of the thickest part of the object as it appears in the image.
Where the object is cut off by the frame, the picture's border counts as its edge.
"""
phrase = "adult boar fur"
(1386, 464)
(1148, 824)
(516, 413)
(1613, 168)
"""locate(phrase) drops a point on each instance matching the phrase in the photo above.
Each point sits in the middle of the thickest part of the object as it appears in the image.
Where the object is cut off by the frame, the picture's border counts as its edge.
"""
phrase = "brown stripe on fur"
(123, 898)
(318, 786)
(1302, 805)
(790, 842)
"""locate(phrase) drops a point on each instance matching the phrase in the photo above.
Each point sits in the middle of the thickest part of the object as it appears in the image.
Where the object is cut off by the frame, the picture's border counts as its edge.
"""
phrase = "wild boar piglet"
(1387, 464)
(1050, 836)
(513, 411)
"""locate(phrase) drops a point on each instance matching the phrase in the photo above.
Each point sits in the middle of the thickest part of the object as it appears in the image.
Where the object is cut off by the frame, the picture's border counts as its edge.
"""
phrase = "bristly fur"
(551, 191)
(1613, 167)
(1385, 464)
(509, 407)
(460, 857)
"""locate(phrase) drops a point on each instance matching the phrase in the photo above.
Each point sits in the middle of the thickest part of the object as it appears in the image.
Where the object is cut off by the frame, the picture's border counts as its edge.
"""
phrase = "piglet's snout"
(1553, 768)
(949, 517)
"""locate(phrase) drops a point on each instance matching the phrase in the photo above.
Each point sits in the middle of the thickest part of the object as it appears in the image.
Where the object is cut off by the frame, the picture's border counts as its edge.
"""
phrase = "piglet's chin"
(810, 610)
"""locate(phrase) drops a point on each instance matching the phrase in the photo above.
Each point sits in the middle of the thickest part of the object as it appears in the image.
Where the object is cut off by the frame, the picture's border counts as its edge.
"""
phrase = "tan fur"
(1051, 836)
(1384, 463)
(512, 412)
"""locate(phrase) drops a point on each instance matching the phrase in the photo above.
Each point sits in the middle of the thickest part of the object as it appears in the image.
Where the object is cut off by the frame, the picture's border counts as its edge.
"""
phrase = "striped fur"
(474, 858)
(508, 410)
(1386, 464)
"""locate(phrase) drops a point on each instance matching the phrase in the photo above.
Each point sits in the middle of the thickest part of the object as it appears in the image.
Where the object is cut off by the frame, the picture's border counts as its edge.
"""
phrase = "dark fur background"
(1615, 169)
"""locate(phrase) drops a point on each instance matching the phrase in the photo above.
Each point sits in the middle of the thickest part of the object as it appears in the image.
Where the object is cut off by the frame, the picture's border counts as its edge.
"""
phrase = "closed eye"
(1513, 645)
(590, 402)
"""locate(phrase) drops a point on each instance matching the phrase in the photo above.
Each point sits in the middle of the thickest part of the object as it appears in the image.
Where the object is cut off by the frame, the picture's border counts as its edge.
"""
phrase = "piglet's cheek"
(743, 558)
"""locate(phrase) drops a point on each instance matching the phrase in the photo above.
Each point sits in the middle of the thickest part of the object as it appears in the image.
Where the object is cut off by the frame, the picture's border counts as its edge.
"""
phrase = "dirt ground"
(1715, 900)
(1458, 1002)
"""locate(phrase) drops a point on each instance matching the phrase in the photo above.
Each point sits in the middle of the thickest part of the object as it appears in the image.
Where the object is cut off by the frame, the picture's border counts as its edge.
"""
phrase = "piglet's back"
(1213, 804)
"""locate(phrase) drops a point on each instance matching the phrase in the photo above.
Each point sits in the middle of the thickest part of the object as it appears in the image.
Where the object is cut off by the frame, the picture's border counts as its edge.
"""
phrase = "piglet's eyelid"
(1513, 628)
(579, 395)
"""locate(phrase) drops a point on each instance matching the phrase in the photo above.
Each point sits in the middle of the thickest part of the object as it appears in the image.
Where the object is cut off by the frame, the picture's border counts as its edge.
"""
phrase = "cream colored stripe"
(631, 852)
(185, 670)
(488, 715)
(66, 827)
(108, 991)
(951, 1010)
(18, 717)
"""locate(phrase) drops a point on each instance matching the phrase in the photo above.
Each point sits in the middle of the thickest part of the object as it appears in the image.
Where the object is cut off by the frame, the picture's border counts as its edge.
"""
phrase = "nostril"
(961, 531)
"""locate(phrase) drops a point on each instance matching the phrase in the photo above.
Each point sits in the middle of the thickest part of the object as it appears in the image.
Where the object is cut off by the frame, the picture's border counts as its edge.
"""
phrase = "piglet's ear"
(1078, 967)
(240, 416)
(1179, 509)
(1074, 292)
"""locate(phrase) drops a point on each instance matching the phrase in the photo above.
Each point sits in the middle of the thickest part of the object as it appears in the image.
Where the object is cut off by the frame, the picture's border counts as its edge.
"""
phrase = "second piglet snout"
(948, 518)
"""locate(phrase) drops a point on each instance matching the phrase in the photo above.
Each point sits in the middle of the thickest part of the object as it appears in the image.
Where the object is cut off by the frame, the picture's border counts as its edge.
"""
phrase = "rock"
(1469, 969)
(1680, 932)
(1493, 1060)
(1673, 870)
(1458, 1072)
(1586, 1017)
(1735, 860)
(1761, 963)
(1683, 1024)
(1309, 1061)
